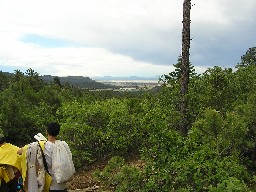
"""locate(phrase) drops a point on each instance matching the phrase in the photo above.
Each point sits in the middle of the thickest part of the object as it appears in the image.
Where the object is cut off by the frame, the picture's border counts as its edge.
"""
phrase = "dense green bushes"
(218, 154)
(206, 160)
(101, 129)
(198, 162)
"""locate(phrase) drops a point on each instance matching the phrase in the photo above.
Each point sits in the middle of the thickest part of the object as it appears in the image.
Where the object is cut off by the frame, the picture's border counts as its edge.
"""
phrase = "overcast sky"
(121, 37)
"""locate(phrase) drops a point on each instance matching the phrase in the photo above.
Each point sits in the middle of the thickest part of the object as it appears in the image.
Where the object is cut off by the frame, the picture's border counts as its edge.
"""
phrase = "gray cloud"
(223, 40)
(125, 34)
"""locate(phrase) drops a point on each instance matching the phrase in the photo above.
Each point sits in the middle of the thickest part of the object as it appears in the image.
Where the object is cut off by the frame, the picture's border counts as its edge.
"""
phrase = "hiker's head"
(53, 129)
(2, 139)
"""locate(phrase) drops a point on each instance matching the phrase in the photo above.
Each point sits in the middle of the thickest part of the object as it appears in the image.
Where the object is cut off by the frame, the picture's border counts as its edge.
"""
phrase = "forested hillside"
(217, 154)
(74, 81)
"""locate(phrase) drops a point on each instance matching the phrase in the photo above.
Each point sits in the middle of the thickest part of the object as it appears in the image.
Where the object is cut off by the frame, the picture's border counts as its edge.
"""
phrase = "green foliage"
(231, 184)
(101, 128)
(175, 163)
(56, 80)
(211, 157)
(226, 134)
(214, 89)
(4, 81)
(218, 154)
(247, 113)
(119, 176)
(248, 59)
(26, 106)
(244, 82)
(174, 76)
(14, 119)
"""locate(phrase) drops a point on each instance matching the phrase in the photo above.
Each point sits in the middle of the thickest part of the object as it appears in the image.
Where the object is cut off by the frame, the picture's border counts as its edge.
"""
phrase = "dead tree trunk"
(184, 80)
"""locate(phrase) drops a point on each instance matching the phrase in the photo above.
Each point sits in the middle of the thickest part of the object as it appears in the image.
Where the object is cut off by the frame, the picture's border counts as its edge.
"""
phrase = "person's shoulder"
(8, 146)
(63, 142)
(48, 144)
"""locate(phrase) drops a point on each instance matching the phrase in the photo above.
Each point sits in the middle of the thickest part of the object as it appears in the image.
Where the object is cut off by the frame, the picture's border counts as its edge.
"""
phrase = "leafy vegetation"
(217, 154)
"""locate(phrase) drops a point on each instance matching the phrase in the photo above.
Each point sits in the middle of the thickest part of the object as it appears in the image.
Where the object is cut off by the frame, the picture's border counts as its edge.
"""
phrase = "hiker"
(32, 168)
(54, 160)
(51, 152)
(9, 166)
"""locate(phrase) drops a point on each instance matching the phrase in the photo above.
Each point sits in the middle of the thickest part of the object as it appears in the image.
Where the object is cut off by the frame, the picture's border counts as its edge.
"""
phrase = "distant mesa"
(78, 81)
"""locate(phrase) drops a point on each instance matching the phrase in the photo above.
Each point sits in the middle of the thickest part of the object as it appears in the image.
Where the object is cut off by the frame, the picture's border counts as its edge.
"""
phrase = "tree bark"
(184, 80)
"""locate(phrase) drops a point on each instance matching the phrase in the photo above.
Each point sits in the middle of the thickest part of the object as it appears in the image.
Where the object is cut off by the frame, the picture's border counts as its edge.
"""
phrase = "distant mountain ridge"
(76, 81)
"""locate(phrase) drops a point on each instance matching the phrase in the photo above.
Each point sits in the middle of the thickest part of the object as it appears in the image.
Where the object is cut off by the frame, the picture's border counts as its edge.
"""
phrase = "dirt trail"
(83, 180)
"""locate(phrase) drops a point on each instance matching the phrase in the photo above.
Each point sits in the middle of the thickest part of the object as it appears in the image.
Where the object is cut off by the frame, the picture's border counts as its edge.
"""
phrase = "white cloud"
(128, 37)
(76, 61)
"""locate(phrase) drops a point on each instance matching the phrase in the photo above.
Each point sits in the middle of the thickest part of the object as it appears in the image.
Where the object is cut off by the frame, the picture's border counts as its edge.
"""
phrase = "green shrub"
(231, 184)
(120, 176)
(100, 129)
